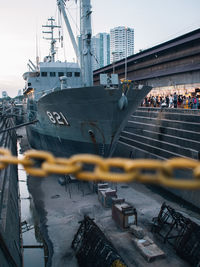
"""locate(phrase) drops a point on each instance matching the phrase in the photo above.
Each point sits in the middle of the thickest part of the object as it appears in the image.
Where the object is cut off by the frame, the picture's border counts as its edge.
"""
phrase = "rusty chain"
(144, 171)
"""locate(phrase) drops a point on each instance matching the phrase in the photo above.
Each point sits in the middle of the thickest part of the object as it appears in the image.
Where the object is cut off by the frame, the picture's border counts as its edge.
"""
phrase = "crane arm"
(61, 6)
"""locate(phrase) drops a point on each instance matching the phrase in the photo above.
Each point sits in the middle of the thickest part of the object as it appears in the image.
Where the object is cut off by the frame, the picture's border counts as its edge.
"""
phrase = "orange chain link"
(140, 170)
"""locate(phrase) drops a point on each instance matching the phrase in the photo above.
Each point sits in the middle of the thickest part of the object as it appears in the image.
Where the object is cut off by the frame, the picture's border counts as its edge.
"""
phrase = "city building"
(108, 48)
(101, 50)
(4, 94)
(121, 43)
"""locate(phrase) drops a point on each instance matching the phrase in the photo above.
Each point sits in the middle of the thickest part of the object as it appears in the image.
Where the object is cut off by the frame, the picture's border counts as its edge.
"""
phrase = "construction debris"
(137, 231)
(149, 250)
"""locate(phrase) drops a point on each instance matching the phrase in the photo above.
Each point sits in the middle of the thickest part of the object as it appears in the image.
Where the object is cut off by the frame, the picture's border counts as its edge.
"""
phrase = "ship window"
(77, 74)
(60, 74)
(44, 74)
(69, 74)
(34, 74)
(52, 74)
(29, 84)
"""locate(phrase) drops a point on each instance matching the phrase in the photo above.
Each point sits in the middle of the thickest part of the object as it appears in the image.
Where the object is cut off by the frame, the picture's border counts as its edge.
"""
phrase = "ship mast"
(84, 55)
(52, 38)
(86, 35)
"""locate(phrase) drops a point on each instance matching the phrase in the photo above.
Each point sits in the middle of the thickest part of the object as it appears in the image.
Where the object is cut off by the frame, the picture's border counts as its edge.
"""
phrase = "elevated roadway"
(175, 62)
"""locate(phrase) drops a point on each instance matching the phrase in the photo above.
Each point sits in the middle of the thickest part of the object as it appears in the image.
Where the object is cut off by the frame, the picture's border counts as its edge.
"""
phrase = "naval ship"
(72, 115)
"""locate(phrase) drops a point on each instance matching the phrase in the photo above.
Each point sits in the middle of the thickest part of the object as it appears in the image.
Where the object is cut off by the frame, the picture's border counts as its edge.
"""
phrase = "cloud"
(11, 84)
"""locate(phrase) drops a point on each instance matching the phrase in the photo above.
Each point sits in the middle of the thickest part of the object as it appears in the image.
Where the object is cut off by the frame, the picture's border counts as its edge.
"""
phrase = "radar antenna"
(51, 26)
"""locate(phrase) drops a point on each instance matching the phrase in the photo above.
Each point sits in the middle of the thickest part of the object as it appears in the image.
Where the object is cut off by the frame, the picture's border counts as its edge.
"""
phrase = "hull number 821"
(57, 118)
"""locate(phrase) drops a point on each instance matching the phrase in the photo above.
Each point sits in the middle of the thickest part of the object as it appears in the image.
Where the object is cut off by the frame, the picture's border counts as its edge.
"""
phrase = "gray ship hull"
(81, 120)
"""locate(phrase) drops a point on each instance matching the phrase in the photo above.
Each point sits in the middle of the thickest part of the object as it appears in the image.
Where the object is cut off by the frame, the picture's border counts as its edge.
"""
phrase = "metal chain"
(141, 170)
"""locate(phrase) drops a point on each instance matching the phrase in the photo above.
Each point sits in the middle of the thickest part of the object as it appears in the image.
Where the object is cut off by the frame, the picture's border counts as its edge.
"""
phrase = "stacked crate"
(124, 215)
(105, 196)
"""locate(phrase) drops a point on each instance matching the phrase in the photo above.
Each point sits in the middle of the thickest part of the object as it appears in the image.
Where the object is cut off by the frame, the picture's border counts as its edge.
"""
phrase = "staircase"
(162, 134)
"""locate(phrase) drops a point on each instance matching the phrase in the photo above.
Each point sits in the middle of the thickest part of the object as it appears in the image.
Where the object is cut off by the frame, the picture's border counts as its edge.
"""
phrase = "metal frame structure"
(184, 233)
(92, 248)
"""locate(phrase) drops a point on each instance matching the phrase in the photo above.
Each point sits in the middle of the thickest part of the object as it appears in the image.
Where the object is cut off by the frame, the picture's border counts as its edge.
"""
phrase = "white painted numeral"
(57, 118)
(65, 120)
(51, 117)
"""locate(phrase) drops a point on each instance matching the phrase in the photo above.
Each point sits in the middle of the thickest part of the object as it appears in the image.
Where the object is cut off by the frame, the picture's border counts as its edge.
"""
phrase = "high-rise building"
(95, 53)
(121, 43)
(101, 50)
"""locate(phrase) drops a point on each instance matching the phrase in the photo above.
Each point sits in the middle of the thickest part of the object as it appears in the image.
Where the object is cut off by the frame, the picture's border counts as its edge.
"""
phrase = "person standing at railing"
(175, 100)
(154, 102)
(180, 101)
(189, 102)
(198, 106)
(157, 102)
(194, 102)
(184, 101)
(167, 101)
(146, 102)
(170, 101)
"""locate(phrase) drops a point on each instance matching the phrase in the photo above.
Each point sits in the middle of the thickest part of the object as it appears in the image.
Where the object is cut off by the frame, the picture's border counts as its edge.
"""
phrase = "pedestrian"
(157, 102)
(167, 101)
(151, 101)
(179, 101)
(189, 102)
(170, 101)
(175, 100)
(160, 100)
(195, 103)
(184, 101)
(146, 102)
(198, 106)
(154, 101)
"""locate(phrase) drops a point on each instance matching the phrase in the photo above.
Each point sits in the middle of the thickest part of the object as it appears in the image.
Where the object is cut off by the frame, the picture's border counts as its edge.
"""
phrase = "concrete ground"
(60, 208)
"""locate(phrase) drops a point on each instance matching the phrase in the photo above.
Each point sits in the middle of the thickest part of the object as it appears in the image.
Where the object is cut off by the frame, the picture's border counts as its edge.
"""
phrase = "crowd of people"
(172, 101)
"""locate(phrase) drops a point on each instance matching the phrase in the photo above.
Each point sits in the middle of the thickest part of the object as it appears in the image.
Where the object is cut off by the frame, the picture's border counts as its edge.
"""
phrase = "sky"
(154, 22)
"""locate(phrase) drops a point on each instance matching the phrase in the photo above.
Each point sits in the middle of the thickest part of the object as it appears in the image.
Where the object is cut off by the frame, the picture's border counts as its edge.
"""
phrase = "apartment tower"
(121, 43)
(101, 50)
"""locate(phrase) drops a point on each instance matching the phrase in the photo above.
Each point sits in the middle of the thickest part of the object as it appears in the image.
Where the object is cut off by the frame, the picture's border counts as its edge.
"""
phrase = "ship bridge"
(48, 77)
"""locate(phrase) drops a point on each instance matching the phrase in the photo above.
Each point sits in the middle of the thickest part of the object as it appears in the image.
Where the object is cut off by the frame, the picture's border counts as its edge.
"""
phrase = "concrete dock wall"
(10, 243)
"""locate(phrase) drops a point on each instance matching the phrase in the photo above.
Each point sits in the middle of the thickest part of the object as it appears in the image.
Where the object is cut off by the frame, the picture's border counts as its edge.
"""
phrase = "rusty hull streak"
(93, 139)
(83, 124)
